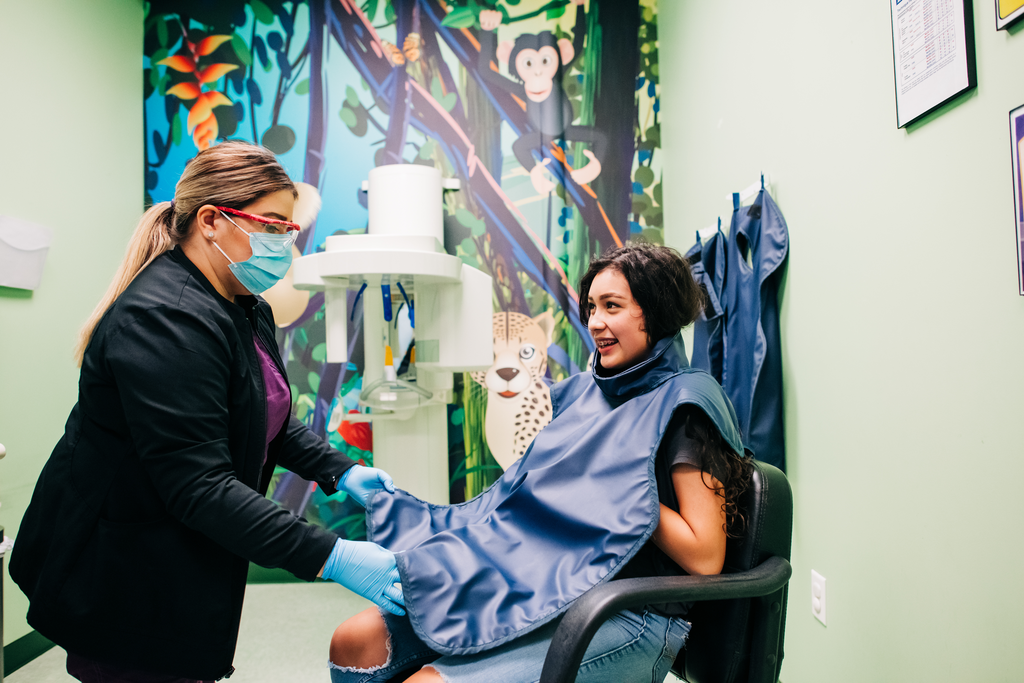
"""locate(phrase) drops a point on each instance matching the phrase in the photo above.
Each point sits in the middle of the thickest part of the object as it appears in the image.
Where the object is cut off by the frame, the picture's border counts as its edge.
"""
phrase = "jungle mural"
(546, 110)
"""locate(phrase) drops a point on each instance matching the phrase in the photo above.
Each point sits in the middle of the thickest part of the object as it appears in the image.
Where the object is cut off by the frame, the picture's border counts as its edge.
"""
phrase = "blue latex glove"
(367, 570)
(362, 482)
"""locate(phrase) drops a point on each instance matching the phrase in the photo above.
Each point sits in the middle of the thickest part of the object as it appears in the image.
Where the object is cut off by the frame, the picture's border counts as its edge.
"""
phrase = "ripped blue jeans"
(629, 647)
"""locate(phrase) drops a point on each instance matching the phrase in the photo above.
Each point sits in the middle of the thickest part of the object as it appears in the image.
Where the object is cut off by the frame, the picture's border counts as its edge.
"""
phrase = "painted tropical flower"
(202, 123)
(358, 434)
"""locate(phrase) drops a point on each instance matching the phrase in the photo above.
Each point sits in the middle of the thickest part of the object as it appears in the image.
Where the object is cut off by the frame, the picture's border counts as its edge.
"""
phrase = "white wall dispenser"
(23, 250)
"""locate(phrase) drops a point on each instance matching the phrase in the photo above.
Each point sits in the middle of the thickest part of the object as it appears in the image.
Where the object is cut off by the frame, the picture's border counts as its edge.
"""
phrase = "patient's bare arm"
(695, 536)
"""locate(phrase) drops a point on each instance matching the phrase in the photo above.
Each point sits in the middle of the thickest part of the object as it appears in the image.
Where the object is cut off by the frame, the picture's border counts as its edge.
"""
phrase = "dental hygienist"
(135, 547)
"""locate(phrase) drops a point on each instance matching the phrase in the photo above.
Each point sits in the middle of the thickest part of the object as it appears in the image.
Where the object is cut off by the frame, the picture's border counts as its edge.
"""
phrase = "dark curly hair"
(733, 471)
(660, 281)
(662, 284)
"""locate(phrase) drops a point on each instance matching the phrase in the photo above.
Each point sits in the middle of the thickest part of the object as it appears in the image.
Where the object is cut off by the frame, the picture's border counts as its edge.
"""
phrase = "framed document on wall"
(933, 54)
(1017, 155)
(1008, 12)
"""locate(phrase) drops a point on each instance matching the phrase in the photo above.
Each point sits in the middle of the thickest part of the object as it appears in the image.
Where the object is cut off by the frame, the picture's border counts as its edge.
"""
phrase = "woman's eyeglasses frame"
(264, 220)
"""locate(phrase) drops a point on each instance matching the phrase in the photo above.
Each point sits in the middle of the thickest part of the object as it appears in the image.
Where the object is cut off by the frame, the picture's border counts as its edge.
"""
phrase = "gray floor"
(284, 638)
(285, 634)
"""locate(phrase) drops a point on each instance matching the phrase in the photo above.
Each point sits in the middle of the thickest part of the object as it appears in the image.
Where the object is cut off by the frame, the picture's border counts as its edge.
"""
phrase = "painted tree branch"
(398, 110)
(356, 36)
(466, 47)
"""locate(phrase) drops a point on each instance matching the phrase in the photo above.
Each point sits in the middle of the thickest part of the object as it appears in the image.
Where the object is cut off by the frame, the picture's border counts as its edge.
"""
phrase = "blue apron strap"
(412, 310)
(762, 181)
(385, 290)
(735, 201)
(355, 303)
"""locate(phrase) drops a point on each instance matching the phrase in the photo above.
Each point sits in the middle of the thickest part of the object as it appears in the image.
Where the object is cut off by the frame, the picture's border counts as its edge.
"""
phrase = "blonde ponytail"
(150, 239)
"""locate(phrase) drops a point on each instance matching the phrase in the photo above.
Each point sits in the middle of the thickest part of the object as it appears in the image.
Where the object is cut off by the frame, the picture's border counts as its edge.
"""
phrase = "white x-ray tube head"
(406, 200)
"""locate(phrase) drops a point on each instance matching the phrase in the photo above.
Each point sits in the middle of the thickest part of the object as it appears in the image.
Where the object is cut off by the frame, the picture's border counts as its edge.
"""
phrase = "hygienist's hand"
(362, 482)
(367, 570)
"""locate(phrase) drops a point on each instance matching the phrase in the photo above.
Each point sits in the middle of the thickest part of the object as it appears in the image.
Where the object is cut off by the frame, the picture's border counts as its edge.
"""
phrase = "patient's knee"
(361, 642)
(427, 674)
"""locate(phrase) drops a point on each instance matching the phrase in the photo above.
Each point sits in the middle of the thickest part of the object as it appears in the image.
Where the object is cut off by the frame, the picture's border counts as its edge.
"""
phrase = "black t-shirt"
(677, 448)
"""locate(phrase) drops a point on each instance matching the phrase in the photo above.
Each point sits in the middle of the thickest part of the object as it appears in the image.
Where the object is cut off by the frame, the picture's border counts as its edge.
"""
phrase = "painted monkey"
(537, 62)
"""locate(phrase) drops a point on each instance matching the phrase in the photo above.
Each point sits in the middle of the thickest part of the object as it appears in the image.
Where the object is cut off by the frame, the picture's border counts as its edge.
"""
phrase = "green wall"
(901, 321)
(902, 327)
(70, 159)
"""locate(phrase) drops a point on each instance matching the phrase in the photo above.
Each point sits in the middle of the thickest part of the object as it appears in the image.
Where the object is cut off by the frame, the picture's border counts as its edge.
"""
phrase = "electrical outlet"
(818, 596)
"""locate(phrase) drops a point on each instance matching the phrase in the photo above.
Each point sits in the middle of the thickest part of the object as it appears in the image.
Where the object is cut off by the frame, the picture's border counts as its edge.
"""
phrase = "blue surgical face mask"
(270, 260)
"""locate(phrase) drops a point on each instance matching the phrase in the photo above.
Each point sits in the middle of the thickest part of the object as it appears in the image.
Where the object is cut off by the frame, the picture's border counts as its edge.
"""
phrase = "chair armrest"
(585, 617)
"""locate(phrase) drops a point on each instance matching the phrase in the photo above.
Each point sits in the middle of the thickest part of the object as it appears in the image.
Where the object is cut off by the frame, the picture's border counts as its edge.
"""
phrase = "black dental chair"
(739, 616)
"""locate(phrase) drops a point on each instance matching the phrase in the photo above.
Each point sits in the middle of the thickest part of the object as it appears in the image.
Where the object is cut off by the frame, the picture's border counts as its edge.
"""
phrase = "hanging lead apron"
(707, 261)
(752, 372)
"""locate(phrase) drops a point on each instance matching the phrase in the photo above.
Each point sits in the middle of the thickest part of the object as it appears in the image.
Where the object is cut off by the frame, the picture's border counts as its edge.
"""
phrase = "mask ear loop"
(210, 235)
(222, 251)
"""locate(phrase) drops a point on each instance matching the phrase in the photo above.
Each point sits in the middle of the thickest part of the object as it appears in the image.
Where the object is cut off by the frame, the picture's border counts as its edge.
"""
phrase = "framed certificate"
(1017, 155)
(933, 54)
(1008, 12)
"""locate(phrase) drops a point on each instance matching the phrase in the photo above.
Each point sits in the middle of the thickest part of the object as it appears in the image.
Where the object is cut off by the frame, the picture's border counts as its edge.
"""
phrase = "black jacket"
(135, 546)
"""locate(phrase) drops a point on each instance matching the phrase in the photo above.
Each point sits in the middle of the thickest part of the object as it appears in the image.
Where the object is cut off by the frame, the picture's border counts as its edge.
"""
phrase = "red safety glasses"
(289, 226)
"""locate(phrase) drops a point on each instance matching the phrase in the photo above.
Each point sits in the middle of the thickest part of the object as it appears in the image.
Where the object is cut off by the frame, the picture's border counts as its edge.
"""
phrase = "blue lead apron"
(564, 518)
(752, 373)
(707, 261)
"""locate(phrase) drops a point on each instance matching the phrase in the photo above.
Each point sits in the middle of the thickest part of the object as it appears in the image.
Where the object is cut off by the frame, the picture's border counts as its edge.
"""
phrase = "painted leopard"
(518, 400)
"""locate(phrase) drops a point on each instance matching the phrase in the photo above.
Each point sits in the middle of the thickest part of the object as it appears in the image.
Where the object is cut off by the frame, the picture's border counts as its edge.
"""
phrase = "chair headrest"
(768, 507)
